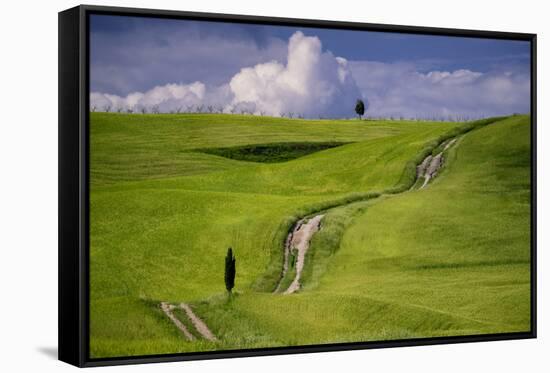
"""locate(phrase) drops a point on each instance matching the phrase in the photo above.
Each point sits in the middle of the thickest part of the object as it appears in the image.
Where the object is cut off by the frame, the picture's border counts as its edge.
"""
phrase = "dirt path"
(198, 323)
(299, 240)
(167, 309)
(300, 236)
(431, 165)
(286, 252)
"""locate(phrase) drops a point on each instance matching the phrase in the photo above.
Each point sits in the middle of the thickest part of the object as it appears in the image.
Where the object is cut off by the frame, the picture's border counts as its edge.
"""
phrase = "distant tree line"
(360, 109)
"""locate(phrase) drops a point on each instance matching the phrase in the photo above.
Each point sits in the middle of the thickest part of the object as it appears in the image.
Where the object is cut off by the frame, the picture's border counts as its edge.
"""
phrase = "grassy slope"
(465, 238)
(135, 147)
(162, 217)
(158, 237)
(450, 259)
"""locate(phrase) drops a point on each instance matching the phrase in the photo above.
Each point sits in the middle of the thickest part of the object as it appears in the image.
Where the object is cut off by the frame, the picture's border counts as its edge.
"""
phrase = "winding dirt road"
(431, 165)
(286, 253)
(298, 241)
(300, 236)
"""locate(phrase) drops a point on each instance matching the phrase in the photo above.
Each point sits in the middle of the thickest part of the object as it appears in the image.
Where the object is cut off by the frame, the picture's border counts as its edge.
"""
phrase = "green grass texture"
(450, 259)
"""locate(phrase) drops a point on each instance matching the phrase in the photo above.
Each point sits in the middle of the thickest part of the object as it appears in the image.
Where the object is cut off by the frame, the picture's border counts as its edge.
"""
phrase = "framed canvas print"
(238, 186)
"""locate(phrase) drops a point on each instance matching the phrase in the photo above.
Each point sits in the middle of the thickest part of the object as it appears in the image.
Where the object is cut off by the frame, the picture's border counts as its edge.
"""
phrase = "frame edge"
(72, 189)
(69, 248)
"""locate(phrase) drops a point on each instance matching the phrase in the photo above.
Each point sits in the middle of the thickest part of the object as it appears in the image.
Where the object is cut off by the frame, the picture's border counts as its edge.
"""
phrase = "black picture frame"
(73, 254)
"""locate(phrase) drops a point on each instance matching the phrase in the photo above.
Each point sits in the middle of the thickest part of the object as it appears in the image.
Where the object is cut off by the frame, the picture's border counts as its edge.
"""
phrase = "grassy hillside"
(135, 147)
(163, 215)
(451, 259)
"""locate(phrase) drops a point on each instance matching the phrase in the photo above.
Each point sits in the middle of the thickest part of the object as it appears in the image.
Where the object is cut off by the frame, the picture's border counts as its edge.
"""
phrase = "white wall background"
(28, 184)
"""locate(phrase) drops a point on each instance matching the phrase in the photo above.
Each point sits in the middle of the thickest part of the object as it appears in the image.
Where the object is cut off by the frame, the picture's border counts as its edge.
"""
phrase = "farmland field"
(169, 193)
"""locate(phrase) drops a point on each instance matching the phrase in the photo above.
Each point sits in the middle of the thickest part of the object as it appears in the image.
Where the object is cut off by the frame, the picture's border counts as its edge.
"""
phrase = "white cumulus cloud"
(399, 89)
(166, 98)
(311, 83)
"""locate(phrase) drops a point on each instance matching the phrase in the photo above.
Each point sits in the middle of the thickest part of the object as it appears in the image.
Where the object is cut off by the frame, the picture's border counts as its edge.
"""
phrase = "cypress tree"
(360, 108)
(230, 270)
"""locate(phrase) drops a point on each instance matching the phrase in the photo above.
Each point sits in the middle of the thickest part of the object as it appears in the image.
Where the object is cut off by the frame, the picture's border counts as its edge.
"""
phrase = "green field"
(450, 259)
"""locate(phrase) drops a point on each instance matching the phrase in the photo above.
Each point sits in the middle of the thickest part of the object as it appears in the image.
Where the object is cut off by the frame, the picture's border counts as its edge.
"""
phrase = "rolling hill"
(450, 259)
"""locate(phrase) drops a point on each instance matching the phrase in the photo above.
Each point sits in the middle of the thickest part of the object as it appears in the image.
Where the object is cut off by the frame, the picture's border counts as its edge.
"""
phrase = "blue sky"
(134, 54)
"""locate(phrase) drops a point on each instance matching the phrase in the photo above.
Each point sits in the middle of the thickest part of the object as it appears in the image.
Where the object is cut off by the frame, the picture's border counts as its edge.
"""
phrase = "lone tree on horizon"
(360, 108)
(229, 270)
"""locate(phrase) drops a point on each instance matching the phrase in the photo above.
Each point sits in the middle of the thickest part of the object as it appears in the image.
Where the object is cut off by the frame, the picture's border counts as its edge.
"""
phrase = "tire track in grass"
(199, 325)
(167, 309)
(197, 322)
